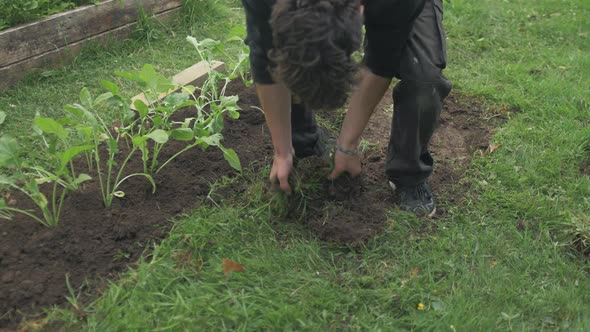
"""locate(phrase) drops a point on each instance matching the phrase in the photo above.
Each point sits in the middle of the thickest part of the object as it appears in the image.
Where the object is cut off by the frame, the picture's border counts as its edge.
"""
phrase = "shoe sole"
(430, 215)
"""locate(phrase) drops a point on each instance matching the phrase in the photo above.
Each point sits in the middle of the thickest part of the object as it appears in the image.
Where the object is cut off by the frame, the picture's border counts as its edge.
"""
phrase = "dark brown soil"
(92, 243)
(585, 168)
(351, 211)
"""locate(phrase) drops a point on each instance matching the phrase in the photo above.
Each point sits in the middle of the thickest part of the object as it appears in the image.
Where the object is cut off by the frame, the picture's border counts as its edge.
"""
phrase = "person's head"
(313, 42)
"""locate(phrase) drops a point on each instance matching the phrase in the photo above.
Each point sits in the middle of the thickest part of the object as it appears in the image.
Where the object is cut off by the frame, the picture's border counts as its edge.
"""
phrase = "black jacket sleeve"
(259, 38)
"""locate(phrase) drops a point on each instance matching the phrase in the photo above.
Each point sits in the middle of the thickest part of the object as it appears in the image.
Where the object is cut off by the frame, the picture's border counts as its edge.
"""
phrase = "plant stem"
(110, 198)
(27, 213)
(54, 220)
(157, 148)
(61, 202)
(98, 171)
(176, 155)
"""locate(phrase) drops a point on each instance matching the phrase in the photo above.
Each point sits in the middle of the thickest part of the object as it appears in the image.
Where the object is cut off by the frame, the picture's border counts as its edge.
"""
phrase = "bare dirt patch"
(351, 211)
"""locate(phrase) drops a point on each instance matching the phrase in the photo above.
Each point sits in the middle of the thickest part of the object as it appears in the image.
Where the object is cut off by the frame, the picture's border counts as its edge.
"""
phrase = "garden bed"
(92, 244)
(56, 39)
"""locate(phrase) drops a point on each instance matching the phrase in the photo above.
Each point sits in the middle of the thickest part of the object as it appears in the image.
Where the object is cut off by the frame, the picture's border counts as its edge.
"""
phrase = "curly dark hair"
(313, 42)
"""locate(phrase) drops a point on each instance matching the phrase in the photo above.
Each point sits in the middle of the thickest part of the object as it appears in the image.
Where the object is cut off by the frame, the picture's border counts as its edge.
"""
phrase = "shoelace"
(418, 192)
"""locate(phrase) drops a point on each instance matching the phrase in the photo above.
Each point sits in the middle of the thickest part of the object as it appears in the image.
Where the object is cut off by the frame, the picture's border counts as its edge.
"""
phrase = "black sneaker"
(418, 200)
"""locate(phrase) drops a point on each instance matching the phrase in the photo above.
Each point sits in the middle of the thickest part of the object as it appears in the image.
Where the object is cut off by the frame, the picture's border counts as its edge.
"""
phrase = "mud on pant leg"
(418, 98)
(417, 107)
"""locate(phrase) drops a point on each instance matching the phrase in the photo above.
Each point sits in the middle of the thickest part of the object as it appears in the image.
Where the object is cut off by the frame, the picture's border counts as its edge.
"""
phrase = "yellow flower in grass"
(420, 306)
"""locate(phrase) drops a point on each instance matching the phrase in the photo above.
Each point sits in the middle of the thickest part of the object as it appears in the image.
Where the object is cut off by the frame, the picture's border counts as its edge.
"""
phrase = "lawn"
(513, 255)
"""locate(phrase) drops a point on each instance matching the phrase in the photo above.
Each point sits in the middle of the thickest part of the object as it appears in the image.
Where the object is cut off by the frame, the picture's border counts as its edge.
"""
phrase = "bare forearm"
(362, 103)
(276, 104)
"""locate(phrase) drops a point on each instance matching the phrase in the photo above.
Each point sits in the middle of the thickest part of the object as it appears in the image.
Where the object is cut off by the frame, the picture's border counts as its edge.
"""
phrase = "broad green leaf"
(50, 126)
(141, 108)
(86, 98)
(82, 178)
(182, 134)
(230, 104)
(2, 117)
(36, 194)
(159, 136)
(190, 89)
(72, 152)
(82, 112)
(85, 132)
(102, 98)
(158, 121)
(216, 124)
(67, 121)
(214, 140)
(74, 110)
(8, 152)
(153, 81)
(232, 157)
(110, 86)
(138, 141)
(176, 100)
(132, 76)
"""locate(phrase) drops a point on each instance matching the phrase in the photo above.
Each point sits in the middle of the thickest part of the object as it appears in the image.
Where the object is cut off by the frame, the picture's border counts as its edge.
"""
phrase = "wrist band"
(354, 152)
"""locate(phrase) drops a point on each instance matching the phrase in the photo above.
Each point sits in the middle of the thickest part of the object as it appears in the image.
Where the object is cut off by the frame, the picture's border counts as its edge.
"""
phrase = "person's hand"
(350, 163)
(279, 173)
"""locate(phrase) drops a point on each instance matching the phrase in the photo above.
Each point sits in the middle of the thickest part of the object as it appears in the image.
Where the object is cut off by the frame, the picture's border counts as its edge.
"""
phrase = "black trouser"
(415, 52)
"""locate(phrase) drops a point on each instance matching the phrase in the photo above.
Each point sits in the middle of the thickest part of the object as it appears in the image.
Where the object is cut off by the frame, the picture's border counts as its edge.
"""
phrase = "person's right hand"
(280, 171)
(350, 164)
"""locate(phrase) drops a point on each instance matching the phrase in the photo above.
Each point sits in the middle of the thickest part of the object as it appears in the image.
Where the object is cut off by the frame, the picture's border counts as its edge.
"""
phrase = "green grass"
(476, 272)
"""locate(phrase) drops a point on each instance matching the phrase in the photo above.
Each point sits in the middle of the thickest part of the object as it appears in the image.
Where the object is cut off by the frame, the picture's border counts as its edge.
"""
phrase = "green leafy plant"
(27, 176)
(155, 126)
(94, 131)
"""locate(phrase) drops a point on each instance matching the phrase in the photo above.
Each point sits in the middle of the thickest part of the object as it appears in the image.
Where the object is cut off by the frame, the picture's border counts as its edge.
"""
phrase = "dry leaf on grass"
(493, 147)
(231, 266)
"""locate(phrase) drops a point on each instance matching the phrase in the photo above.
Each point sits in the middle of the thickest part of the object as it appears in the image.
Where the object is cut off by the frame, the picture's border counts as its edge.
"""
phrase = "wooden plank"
(10, 75)
(30, 40)
(194, 75)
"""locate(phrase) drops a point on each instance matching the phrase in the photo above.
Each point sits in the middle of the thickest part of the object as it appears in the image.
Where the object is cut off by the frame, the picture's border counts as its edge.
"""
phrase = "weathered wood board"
(56, 39)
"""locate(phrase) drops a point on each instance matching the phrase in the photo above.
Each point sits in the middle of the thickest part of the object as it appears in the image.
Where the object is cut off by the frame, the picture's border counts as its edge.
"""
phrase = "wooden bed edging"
(56, 39)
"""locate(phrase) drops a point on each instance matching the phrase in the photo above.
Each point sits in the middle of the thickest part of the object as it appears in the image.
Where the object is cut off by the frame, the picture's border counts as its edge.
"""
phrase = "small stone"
(38, 289)
(27, 284)
(8, 277)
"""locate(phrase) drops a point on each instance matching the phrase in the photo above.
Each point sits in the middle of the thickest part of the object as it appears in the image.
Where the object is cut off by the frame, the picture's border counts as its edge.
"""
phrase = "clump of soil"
(585, 168)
